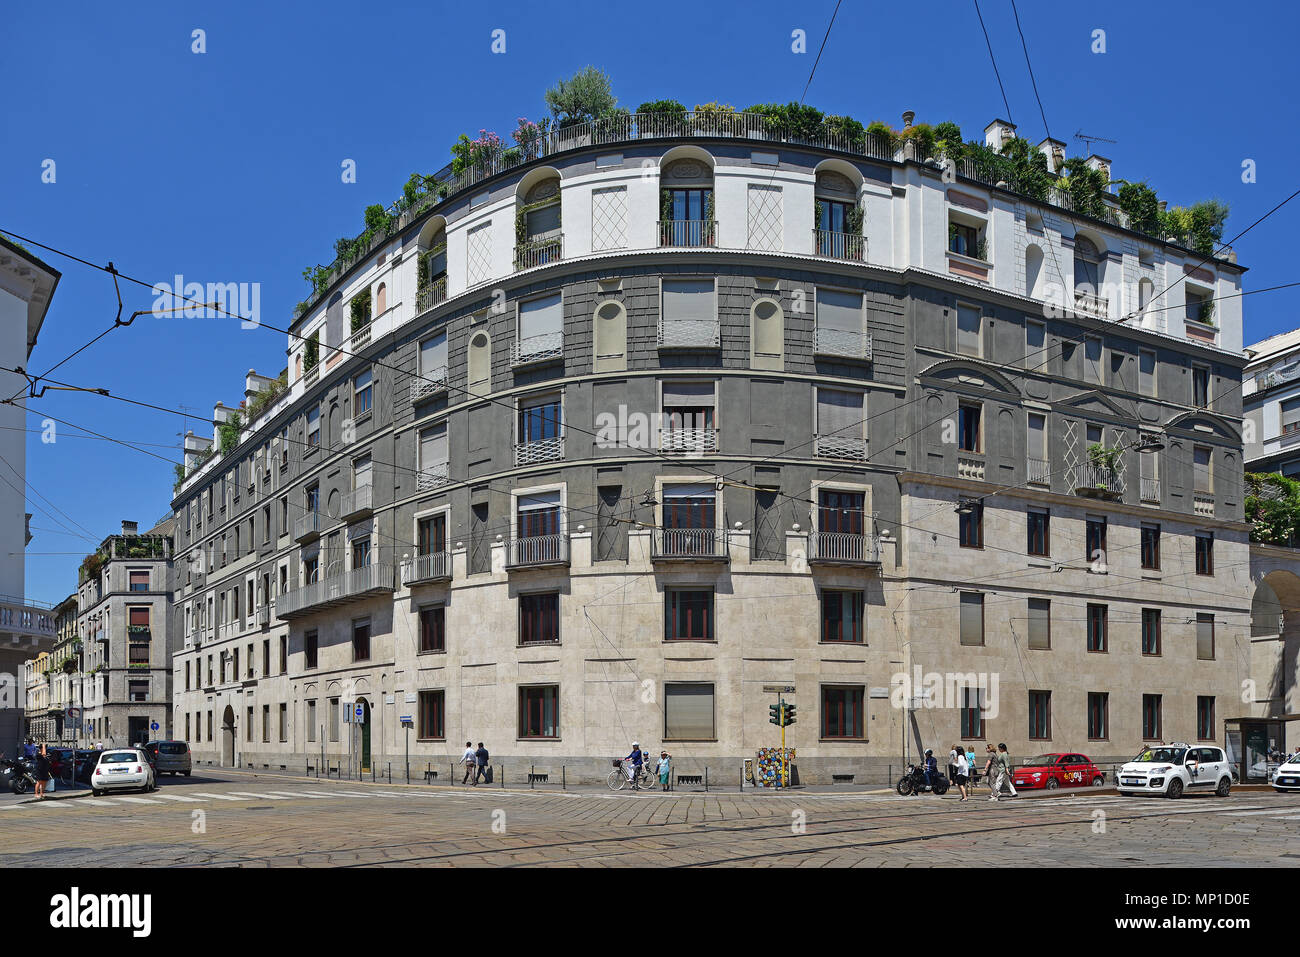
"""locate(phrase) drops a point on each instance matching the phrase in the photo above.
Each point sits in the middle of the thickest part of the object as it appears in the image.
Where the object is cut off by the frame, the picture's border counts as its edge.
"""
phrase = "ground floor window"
(842, 616)
(842, 711)
(689, 712)
(972, 712)
(539, 618)
(311, 720)
(1151, 723)
(432, 713)
(433, 636)
(688, 615)
(1098, 715)
(1040, 715)
(1205, 717)
(539, 711)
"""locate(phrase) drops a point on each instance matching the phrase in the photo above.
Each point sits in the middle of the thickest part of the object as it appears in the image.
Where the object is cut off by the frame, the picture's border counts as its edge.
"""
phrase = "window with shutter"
(689, 315)
(689, 712)
(541, 329)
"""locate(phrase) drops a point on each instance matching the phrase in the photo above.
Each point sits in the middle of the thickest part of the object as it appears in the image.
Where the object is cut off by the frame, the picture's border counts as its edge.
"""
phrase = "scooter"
(913, 782)
(17, 775)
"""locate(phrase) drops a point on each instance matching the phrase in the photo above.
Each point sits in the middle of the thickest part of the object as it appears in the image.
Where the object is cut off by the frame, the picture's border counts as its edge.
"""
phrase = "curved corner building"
(602, 446)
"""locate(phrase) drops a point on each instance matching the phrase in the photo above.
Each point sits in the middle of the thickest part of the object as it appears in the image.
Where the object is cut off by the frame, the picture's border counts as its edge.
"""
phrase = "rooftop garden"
(127, 547)
(583, 110)
(250, 410)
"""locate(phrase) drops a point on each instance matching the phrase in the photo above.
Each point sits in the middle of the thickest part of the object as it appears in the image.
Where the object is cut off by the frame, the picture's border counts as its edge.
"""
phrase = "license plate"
(1286, 781)
(117, 770)
(1133, 781)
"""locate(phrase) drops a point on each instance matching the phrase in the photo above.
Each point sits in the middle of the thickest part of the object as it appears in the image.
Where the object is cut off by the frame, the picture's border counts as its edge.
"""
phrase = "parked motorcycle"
(18, 775)
(913, 782)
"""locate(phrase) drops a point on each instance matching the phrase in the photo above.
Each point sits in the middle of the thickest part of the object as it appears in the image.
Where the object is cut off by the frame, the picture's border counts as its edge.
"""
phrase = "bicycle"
(618, 778)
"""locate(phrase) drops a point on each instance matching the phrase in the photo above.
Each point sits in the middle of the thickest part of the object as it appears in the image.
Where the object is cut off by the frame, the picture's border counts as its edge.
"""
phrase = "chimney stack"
(129, 528)
(908, 117)
(997, 133)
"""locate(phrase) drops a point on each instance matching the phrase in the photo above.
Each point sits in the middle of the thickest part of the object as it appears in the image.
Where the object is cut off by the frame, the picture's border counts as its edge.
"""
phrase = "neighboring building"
(602, 445)
(26, 627)
(124, 600)
(1271, 399)
(65, 675)
(36, 674)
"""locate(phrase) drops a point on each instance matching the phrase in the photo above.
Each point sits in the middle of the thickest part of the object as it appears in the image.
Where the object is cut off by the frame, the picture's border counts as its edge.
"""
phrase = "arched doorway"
(228, 738)
(364, 732)
(1255, 740)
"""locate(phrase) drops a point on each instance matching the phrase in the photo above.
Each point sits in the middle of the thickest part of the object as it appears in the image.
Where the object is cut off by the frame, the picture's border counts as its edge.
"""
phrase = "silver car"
(170, 757)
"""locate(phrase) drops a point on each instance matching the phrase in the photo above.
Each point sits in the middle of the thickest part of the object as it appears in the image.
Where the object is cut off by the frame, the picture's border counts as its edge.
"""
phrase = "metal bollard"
(503, 775)
(706, 779)
(532, 777)
(564, 779)
(390, 772)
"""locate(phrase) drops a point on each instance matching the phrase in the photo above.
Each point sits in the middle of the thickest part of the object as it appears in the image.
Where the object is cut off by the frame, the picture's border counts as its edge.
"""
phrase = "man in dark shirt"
(480, 760)
(931, 768)
(41, 772)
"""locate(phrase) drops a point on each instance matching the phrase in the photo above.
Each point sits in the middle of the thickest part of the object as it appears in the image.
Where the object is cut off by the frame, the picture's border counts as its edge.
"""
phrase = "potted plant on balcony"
(1105, 477)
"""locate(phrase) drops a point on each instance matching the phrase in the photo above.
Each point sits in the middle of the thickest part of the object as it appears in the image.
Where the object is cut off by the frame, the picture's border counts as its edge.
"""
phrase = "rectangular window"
(433, 636)
(972, 712)
(539, 618)
(433, 457)
(972, 618)
(1205, 717)
(1098, 715)
(1040, 540)
(363, 388)
(1040, 624)
(1095, 539)
(334, 720)
(1152, 726)
(1092, 359)
(1040, 715)
(310, 648)
(1202, 470)
(1151, 631)
(284, 654)
(1098, 628)
(138, 690)
(689, 312)
(1200, 387)
(1150, 546)
(1205, 553)
(689, 415)
(1035, 345)
(963, 239)
(540, 420)
(361, 472)
(1291, 417)
(969, 325)
(539, 712)
(842, 616)
(1039, 472)
(284, 722)
(970, 434)
(1147, 373)
(361, 641)
(541, 325)
(433, 360)
(313, 428)
(688, 615)
(311, 721)
(431, 534)
(361, 552)
(266, 724)
(841, 417)
(839, 322)
(689, 712)
(432, 715)
(970, 526)
(1205, 637)
(842, 712)
(139, 580)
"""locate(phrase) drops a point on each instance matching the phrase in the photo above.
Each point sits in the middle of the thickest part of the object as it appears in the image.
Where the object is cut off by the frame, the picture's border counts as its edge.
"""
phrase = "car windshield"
(1041, 760)
(1161, 756)
(120, 757)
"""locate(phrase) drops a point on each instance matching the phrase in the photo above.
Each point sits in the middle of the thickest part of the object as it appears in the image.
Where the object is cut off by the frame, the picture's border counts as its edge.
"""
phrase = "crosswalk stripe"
(181, 797)
(219, 797)
(130, 800)
(98, 802)
(259, 797)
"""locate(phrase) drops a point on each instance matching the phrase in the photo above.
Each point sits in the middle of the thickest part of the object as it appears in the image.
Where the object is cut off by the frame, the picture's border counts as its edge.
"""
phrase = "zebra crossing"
(162, 798)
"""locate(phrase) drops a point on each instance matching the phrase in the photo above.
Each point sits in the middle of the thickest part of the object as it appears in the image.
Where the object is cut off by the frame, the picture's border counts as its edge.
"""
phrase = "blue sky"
(225, 166)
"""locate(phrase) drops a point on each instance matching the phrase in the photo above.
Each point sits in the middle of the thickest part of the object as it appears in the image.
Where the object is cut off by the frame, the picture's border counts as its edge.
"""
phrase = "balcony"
(539, 252)
(847, 345)
(835, 245)
(544, 348)
(688, 334)
(537, 551)
(689, 545)
(356, 504)
(1038, 472)
(18, 620)
(1094, 306)
(688, 232)
(354, 585)
(1151, 490)
(843, 548)
(432, 477)
(969, 468)
(840, 447)
(429, 384)
(1203, 504)
(262, 616)
(360, 338)
(423, 569)
(431, 295)
(688, 440)
(309, 378)
(307, 527)
(542, 450)
(1098, 481)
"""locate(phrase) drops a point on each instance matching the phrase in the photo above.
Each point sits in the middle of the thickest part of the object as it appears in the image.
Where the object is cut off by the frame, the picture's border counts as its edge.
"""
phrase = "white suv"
(1171, 769)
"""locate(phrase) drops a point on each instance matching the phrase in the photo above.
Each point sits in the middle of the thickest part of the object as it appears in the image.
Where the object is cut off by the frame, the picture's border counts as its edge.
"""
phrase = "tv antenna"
(1089, 139)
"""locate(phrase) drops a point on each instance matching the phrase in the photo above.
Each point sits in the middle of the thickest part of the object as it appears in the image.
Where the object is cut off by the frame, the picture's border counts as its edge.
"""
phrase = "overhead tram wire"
(993, 60)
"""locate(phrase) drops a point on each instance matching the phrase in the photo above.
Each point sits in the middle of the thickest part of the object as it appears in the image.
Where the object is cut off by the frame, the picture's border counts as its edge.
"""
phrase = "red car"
(1053, 771)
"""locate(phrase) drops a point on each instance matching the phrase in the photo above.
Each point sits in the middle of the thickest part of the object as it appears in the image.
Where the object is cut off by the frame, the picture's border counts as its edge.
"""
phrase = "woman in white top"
(963, 771)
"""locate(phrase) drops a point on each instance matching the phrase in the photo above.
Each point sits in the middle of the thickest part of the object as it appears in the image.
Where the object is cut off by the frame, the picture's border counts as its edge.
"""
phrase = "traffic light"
(776, 715)
(789, 715)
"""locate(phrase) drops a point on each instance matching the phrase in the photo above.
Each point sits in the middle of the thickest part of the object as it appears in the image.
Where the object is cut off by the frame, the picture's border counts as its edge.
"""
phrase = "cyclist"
(633, 770)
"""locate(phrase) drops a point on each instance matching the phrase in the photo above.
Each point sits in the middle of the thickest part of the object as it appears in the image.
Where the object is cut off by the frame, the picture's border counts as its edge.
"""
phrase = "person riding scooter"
(931, 768)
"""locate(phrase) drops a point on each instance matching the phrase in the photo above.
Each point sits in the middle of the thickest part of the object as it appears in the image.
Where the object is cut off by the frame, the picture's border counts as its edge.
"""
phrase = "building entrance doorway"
(365, 733)
(228, 738)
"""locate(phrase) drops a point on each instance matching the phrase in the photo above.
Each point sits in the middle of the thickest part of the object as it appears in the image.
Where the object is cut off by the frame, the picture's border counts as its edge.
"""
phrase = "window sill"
(538, 738)
(429, 740)
(538, 644)
(844, 740)
(851, 644)
(693, 641)
(431, 651)
(690, 740)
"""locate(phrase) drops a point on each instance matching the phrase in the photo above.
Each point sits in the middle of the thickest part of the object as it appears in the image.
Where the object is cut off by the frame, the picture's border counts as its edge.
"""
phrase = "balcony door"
(537, 528)
(433, 535)
(690, 519)
(841, 521)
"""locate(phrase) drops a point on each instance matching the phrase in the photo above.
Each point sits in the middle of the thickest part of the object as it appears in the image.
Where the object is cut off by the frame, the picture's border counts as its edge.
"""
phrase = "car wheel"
(95, 792)
(1225, 785)
(1175, 789)
(187, 774)
(1052, 784)
(1098, 781)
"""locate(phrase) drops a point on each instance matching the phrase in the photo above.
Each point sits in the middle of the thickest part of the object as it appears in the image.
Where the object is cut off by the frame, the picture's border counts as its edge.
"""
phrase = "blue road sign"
(153, 726)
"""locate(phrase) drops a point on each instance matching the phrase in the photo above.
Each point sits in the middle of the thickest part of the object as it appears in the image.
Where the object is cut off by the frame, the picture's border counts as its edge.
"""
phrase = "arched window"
(480, 361)
(686, 215)
(381, 299)
(1033, 270)
(767, 334)
(432, 278)
(538, 236)
(1087, 278)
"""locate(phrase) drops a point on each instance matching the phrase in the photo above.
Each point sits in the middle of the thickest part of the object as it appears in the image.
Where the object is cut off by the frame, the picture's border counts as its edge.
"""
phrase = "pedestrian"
(29, 749)
(963, 768)
(41, 773)
(992, 764)
(970, 763)
(952, 763)
(664, 768)
(481, 760)
(470, 761)
(1007, 768)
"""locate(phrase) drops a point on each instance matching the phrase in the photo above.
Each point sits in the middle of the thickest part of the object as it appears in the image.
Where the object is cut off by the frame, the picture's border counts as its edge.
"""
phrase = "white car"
(120, 769)
(1172, 769)
(1287, 776)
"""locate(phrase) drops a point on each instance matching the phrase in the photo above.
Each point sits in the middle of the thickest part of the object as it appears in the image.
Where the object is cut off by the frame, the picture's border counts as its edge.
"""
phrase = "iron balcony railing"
(435, 566)
(430, 383)
(537, 550)
(431, 295)
(689, 544)
(307, 526)
(356, 502)
(1090, 305)
(688, 232)
(838, 342)
(349, 586)
(432, 476)
(539, 450)
(688, 440)
(541, 348)
(844, 548)
(688, 334)
(1098, 477)
(1037, 471)
(840, 447)
(1150, 489)
(539, 251)
(835, 245)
